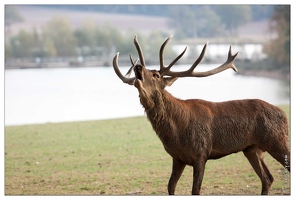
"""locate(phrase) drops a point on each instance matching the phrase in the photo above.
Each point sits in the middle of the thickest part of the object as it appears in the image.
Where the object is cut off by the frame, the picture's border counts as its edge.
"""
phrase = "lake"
(34, 96)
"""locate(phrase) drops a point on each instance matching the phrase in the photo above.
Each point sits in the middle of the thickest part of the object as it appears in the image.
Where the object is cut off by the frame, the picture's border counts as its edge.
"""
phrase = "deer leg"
(255, 158)
(199, 169)
(177, 169)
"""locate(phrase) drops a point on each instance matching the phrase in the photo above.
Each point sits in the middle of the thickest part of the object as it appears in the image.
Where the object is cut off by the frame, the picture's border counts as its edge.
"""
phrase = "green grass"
(122, 156)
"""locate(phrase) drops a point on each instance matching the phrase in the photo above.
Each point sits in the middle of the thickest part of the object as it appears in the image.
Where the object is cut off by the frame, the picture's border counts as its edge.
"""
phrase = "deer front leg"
(177, 169)
(198, 177)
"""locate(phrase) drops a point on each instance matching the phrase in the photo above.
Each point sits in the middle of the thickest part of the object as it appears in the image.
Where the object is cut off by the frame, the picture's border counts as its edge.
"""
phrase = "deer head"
(149, 81)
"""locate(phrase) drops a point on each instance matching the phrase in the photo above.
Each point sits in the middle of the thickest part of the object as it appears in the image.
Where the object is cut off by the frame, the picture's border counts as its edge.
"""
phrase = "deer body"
(194, 131)
(214, 130)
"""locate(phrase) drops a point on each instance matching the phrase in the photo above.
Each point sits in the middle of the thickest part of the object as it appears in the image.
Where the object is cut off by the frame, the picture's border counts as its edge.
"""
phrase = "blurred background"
(58, 58)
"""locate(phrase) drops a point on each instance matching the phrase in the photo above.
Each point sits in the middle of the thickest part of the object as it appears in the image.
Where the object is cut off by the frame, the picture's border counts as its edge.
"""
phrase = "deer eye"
(156, 75)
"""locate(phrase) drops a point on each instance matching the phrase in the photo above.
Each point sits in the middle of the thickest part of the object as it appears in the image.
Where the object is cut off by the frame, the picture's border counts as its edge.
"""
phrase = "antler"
(164, 69)
(141, 57)
(190, 72)
(125, 78)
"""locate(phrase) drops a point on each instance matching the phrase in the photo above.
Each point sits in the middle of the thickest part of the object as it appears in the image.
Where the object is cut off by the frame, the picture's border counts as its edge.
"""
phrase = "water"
(77, 94)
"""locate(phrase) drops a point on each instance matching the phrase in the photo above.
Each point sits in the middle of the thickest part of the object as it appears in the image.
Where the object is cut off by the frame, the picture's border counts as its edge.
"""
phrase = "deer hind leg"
(255, 157)
(177, 169)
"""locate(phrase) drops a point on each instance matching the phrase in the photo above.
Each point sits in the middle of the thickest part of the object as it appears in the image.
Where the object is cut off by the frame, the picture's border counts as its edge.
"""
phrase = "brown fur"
(193, 131)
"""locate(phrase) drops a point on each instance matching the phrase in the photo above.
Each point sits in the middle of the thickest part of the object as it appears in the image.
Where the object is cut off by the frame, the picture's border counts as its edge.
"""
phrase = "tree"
(183, 20)
(59, 31)
(108, 37)
(48, 48)
(85, 36)
(208, 22)
(278, 49)
(11, 16)
(232, 16)
(195, 21)
(261, 12)
(8, 51)
(22, 44)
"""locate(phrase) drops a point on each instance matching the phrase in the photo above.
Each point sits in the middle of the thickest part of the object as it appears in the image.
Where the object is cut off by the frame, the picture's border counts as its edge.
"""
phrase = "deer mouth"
(138, 72)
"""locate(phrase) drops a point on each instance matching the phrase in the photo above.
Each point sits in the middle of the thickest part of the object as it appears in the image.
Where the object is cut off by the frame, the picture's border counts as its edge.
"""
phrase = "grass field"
(122, 156)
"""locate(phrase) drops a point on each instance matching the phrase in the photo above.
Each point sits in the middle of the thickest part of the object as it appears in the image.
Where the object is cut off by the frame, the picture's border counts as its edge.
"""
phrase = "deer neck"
(163, 111)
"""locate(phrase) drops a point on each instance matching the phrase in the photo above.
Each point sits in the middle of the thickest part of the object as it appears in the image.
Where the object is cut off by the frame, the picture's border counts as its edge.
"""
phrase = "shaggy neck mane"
(164, 112)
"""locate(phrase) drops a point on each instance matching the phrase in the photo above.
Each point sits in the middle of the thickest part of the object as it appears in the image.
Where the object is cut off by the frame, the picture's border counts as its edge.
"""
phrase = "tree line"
(190, 20)
(59, 39)
(278, 49)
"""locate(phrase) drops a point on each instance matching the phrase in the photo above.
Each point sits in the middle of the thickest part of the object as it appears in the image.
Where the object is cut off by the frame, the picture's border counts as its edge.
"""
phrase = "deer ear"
(169, 80)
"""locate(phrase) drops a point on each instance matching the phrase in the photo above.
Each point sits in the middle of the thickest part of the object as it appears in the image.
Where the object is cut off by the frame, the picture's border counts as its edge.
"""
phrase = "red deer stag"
(193, 131)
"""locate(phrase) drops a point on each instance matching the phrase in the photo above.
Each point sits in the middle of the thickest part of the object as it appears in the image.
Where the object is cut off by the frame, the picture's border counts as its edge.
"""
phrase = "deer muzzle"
(138, 70)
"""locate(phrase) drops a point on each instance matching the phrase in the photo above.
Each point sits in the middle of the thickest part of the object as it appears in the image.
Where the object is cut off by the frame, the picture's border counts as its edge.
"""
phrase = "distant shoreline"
(263, 73)
(275, 74)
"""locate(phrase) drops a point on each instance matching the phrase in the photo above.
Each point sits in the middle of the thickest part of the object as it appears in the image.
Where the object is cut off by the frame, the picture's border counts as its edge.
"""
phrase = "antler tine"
(232, 58)
(163, 69)
(161, 55)
(141, 57)
(228, 64)
(196, 63)
(190, 73)
(126, 78)
(131, 68)
(200, 58)
(176, 59)
(131, 60)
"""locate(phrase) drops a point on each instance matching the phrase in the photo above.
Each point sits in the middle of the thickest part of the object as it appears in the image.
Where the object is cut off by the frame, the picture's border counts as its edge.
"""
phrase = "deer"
(193, 131)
